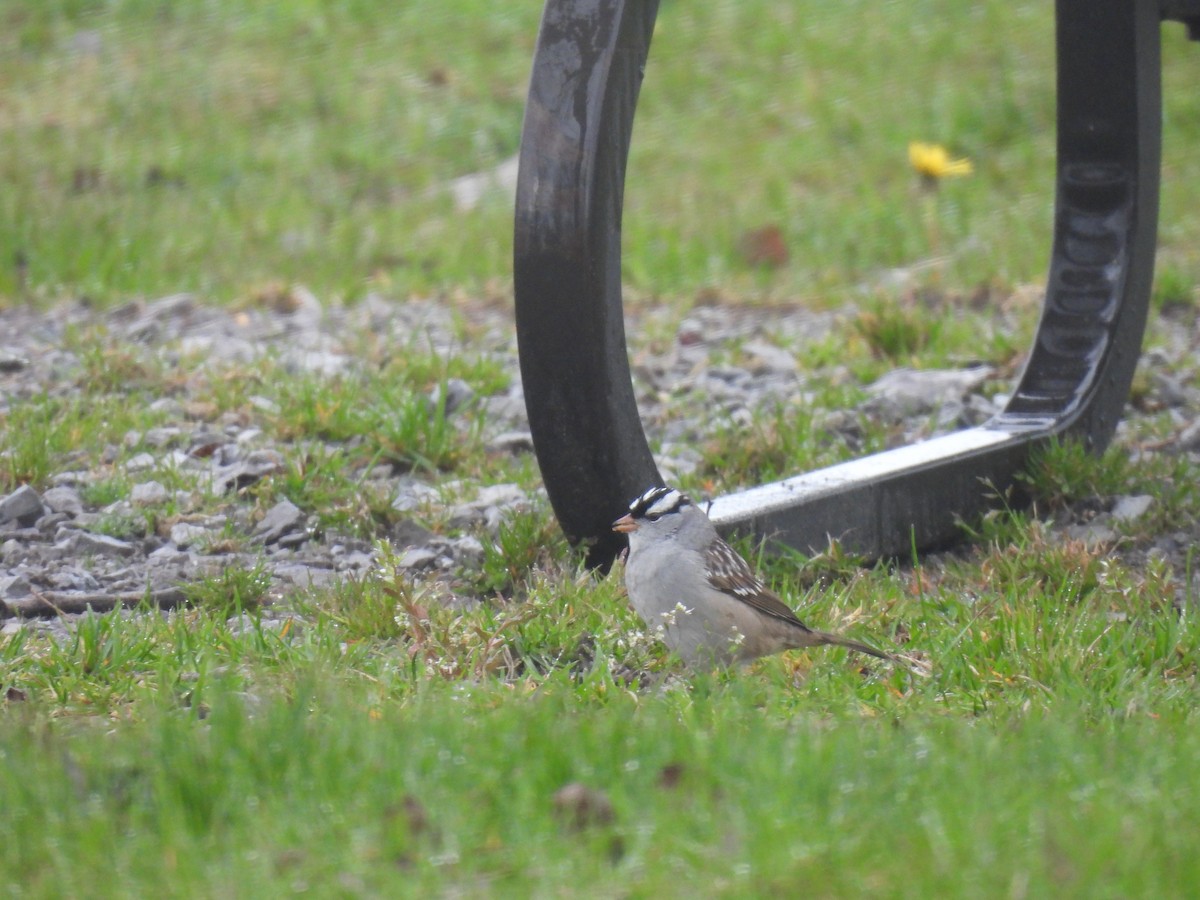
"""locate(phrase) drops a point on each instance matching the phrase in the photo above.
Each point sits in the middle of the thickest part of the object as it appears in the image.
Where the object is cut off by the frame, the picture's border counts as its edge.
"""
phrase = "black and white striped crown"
(656, 502)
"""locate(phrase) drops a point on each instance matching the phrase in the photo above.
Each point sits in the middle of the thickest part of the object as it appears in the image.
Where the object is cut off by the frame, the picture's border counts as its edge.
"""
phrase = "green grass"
(369, 738)
(308, 139)
(785, 439)
(463, 802)
(312, 143)
(236, 589)
(267, 761)
(383, 743)
(39, 432)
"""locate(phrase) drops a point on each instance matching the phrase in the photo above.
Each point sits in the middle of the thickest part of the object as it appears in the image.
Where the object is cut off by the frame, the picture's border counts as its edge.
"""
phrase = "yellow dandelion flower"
(933, 162)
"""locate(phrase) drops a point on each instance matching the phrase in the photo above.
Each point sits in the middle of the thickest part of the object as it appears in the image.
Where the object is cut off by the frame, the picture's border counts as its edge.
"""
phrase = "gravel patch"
(61, 555)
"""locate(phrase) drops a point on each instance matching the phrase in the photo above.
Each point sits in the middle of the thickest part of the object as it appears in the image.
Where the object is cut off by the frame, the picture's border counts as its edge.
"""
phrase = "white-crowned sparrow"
(711, 608)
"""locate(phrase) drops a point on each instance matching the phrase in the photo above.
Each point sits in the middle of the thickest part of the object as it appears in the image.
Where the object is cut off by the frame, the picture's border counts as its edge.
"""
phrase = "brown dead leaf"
(85, 179)
(204, 449)
(277, 296)
(412, 812)
(156, 176)
(202, 410)
(764, 247)
(670, 776)
(581, 807)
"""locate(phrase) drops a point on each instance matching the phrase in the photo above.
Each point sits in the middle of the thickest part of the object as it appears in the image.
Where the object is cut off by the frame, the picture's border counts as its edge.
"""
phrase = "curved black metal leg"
(567, 264)
(589, 440)
(1106, 215)
(1078, 375)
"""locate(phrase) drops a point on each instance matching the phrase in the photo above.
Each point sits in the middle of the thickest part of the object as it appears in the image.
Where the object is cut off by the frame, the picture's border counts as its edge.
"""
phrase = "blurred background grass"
(215, 146)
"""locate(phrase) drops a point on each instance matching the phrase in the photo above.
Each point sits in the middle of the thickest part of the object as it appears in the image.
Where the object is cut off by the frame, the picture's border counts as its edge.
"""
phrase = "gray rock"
(51, 522)
(204, 444)
(502, 495)
(72, 477)
(676, 459)
(13, 552)
(766, 357)
(63, 500)
(248, 436)
(418, 558)
(978, 409)
(1094, 534)
(489, 506)
(118, 508)
(264, 404)
(317, 362)
(412, 494)
(382, 472)
(98, 544)
(151, 323)
(1128, 508)
(151, 542)
(169, 554)
(467, 549)
(283, 517)
(148, 493)
(357, 561)
(180, 460)
(511, 442)
(23, 505)
(140, 462)
(915, 392)
(11, 361)
(185, 534)
(469, 190)
(263, 462)
(15, 586)
(304, 576)
(246, 471)
(166, 406)
(407, 533)
(1189, 438)
(1171, 391)
(22, 535)
(507, 408)
(162, 436)
(226, 454)
(72, 579)
(453, 396)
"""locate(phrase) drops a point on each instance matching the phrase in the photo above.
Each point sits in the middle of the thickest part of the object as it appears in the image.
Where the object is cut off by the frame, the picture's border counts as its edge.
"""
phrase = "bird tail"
(914, 664)
(826, 638)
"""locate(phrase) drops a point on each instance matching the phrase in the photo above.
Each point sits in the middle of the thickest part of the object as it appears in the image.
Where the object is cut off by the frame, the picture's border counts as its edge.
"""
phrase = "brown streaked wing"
(728, 572)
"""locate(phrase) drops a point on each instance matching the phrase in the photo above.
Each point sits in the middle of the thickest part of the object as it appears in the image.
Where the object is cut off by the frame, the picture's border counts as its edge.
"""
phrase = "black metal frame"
(590, 445)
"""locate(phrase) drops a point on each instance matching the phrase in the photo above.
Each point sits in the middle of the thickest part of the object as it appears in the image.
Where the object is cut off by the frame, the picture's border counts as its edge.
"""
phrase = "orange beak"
(625, 524)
